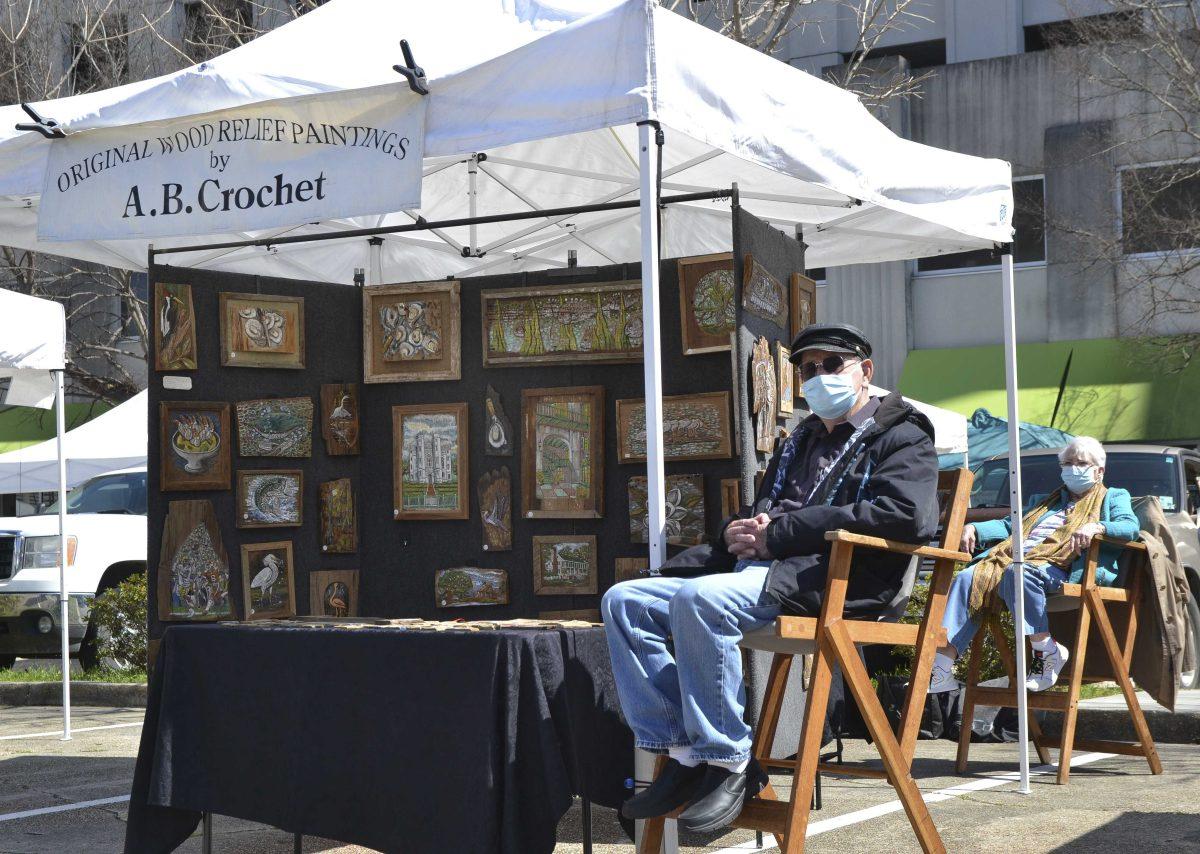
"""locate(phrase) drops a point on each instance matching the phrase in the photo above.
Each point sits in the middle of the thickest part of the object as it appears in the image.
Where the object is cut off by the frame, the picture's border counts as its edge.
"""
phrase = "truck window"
(1191, 477)
(1141, 474)
(117, 493)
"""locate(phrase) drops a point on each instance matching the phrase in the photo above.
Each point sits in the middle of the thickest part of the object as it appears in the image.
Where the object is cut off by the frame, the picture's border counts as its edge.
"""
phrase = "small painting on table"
(695, 427)
(193, 569)
(430, 461)
(707, 308)
(763, 294)
(339, 524)
(333, 593)
(765, 391)
(631, 568)
(465, 586)
(260, 331)
(270, 499)
(685, 510)
(195, 445)
(498, 436)
(804, 303)
(578, 615)
(564, 564)
(279, 427)
(785, 374)
(339, 418)
(562, 475)
(268, 580)
(731, 497)
(174, 328)
(495, 509)
(412, 332)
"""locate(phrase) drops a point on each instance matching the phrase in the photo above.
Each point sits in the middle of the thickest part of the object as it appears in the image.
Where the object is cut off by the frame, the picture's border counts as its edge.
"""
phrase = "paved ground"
(1112, 805)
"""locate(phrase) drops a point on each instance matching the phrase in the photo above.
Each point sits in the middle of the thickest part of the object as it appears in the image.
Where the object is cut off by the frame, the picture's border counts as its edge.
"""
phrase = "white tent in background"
(949, 428)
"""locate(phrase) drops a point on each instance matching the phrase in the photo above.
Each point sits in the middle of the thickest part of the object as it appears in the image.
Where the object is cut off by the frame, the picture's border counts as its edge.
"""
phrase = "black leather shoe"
(673, 788)
(720, 797)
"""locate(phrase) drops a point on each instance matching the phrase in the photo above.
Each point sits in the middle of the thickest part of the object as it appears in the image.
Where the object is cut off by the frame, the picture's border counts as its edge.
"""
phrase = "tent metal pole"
(472, 176)
(63, 598)
(1016, 505)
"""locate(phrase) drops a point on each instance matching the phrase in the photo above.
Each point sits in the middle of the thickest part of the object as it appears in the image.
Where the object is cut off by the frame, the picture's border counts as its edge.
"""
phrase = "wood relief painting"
(695, 427)
(339, 418)
(763, 294)
(278, 427)
(495, 509)
(564, 564)
(339, 524)
(562, 325)
(498, 430)
(684, 510)
(765, 394)
(333, 593)
(464, 586)
(785, 375)
(259, 331)
(430, 461)
(562, 455)
(195, 445)
(268, 580)
(174, 328)
(193, 568)
(631, 568)
(583, 615)
(731, 501)
(270, 499)
(707, 305)
(412, 332)
(804, 303)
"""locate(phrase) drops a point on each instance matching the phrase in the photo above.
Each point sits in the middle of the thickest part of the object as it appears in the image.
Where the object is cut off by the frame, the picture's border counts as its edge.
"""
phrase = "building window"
(1029, 243)
(1114, 26)
(212, 27)
(927, 54)
(1160, 208)
(98, 54)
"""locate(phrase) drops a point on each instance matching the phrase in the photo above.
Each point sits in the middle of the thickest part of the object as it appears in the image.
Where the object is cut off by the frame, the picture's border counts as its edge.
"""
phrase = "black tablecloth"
(397, 740)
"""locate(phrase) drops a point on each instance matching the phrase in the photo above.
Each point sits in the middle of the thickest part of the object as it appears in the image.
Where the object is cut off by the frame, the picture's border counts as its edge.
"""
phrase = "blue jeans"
(1040, 581)
(694, 696)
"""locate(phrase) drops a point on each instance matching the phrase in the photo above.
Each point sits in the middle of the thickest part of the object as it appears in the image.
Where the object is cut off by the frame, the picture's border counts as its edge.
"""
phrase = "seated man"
(1058, 528)
(860, 463)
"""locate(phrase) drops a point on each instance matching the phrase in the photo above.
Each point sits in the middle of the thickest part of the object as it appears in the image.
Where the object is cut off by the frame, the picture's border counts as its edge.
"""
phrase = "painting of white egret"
(268, 580)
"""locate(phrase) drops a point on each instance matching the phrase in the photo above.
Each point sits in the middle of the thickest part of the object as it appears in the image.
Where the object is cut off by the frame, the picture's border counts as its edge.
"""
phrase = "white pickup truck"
(106, 543)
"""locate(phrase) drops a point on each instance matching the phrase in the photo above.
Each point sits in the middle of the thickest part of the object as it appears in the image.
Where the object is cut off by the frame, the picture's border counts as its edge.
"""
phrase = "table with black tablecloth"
(394, 739)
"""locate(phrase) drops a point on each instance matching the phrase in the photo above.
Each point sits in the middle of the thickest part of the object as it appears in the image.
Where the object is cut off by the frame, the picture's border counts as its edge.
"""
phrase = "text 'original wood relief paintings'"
(685, 510)
(495, 509)
(339, 418)
(464, 586)
(412, 333)
(707, 311)
(430, 461)
(557, 325)
(270, 498)
(193, 569)
(695, 427)
(333, 593)
(259, 331)
(268, 580)
(564, 564)
(279, 427)
(339, 523)
(765, 391)
(195, 446)
(763, 294)
(562, 474)
(174, 328)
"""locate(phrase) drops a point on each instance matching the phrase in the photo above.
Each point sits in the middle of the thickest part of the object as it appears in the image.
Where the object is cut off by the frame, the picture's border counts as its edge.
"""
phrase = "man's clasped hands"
(747, 538)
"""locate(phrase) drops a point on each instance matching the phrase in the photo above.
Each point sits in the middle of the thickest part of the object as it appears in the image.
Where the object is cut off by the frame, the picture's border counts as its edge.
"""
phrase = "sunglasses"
(834, 364)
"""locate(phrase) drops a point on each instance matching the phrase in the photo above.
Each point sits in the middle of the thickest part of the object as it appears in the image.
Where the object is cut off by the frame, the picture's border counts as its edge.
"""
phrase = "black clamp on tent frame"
(413, 73)
(46, 127)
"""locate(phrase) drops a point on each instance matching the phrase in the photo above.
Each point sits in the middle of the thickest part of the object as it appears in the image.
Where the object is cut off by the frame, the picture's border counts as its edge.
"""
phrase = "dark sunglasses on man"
(834, 364)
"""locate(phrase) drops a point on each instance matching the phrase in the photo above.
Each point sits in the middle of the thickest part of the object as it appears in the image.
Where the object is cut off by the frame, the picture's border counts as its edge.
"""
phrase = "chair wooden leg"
(968, 713)
(923, 653)
(653, 828)
(1010, 667)
(808, 753)
(1067, 744)
(772, 706)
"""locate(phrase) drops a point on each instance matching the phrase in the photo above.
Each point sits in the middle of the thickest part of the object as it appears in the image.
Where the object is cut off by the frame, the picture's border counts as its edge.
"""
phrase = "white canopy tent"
(542, 104)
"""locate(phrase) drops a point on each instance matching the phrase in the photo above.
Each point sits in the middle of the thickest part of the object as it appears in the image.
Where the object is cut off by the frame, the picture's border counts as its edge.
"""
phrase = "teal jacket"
(1116, 515)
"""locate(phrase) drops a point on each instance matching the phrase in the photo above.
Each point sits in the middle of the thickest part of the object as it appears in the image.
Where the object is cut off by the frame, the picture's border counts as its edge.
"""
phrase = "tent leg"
(1016, 505)
(63, 598)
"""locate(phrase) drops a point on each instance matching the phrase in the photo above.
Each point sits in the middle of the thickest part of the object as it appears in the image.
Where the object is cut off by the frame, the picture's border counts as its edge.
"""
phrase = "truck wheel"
(7, 661)
(1191, 678)
(89, 648)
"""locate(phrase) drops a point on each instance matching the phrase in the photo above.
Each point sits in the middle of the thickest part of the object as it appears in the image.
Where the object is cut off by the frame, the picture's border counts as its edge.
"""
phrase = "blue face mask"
(1079, 479)
(830, 396)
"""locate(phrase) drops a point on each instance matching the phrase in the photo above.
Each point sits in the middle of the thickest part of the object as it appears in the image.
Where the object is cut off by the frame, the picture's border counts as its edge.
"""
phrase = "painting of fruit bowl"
(196, 435)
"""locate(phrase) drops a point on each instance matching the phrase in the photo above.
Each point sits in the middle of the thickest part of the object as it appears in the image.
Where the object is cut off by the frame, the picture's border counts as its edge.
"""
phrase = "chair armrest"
(1127, 544)
(895, 546)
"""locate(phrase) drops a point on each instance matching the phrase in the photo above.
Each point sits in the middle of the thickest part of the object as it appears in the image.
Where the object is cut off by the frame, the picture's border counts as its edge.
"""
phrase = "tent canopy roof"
(551, 91)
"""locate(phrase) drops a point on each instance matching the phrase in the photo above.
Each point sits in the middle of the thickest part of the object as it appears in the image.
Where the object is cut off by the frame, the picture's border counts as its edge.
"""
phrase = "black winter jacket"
(885, 486)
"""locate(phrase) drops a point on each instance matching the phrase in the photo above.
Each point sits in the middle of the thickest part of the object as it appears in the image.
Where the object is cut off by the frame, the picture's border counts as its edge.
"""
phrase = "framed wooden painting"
(785, 375)
(194, 446)
(268, 580)
(339, 521)
(562, 455)
(412, 332)
(695, 427)
(763, 294)
(631, 568)
(763, 403)
(429, 469)
(277, 427)
(465, 586)
(495, 509)
(333, 593)
(270, 498)
(193, 568)
(564, 564)
(707, 307)
(339, 418)
(804, 303)
(260, 331)
(174, 328)
(562, 325)
(583, 615)
(731, 497)
(685, 510)
(498, 431)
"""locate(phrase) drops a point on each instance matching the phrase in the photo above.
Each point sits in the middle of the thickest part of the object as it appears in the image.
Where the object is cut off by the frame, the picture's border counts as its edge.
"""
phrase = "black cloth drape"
(397, 740)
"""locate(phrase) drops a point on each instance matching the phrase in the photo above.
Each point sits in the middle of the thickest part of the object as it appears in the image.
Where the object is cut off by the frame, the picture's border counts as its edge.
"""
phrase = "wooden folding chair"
(1092, 603)
(832, 639)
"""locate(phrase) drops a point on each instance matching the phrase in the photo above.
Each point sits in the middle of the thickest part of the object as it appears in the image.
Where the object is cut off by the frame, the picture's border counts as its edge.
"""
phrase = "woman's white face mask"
(1080, 478)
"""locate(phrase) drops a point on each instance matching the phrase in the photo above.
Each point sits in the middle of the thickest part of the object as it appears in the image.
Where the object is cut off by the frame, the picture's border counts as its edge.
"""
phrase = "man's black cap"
(834, 337)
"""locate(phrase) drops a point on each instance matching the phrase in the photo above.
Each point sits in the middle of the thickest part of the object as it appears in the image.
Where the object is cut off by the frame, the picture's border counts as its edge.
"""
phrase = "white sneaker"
(942, 679)
(1045, 667)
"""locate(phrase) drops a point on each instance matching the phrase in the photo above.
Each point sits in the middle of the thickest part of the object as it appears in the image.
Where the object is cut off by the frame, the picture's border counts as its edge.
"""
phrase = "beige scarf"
(1055, 549)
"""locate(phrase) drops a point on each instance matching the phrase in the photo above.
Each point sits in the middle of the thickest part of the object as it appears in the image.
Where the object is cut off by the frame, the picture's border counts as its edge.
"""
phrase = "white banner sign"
(266, 165)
